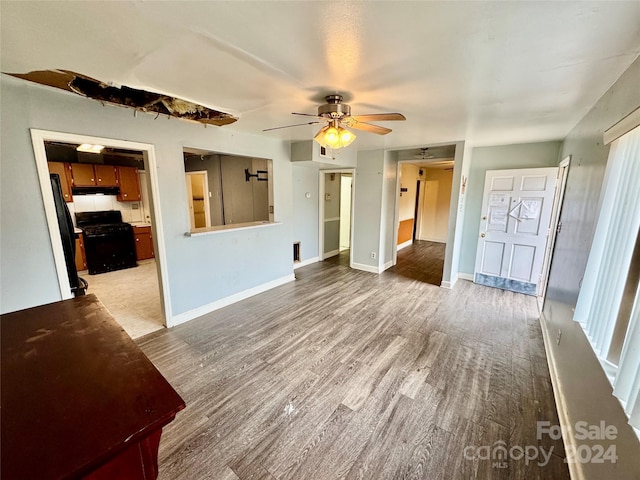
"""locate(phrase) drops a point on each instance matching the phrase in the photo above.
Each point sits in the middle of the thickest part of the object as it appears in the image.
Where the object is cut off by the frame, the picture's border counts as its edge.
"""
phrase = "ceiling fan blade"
(367, 127)
(289, 126)
(379, 117)
(305, 115)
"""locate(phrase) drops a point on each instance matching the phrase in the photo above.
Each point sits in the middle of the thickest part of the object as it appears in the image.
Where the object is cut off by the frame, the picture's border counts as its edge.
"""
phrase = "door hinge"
(559, 227)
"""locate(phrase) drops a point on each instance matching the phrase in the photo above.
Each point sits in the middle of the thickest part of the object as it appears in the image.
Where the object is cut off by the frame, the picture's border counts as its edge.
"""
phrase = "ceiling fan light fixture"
(334, 136)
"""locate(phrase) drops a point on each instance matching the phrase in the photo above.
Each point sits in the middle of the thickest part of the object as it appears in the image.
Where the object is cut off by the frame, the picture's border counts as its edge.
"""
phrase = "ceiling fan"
(337, 116)
(424, 154)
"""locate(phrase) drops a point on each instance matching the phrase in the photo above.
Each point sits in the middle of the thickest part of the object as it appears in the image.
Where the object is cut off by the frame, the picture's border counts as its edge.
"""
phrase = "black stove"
(109, 243)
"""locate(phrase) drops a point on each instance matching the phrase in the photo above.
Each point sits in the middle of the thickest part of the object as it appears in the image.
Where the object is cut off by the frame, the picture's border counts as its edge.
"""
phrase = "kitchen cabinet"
(86, 175)
(83, 175)
(66, 179)
(129, 184)
(81, 259)
(144, 242)
(106, 175)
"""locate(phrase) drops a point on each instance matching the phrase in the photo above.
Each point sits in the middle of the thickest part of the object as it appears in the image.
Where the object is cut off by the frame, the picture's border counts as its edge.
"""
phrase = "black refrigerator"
(78, 285)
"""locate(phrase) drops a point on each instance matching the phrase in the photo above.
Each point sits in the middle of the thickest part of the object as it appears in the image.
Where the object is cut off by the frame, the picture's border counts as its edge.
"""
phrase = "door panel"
(516, 211)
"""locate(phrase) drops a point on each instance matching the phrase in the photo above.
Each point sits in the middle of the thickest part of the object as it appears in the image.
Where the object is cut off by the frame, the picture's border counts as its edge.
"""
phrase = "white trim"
(50, 213)
(568, 437)
(466, 276)
(406, 244)
(449, 285)
(623, 126)
(387, 265)
(229, 228)
(226, 301)
(38, 137)
(434, 240)
(306, 262)
(330, 254)
(333, 219)
(365, 268)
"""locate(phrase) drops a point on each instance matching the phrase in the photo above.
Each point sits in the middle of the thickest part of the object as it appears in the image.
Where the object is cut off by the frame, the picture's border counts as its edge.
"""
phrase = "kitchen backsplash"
(132, 212)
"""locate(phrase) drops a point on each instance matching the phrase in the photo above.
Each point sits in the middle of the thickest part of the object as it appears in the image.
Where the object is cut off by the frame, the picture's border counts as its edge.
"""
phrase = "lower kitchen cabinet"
(81, 259)
(144, 243)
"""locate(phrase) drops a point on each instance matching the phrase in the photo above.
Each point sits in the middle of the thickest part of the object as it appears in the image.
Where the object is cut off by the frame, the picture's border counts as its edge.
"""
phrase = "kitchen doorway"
(106, 184)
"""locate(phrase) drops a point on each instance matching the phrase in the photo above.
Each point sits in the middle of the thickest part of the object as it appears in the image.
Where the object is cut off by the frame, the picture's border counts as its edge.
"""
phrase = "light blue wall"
(367, 207)
(529, 155)
(202, 269)
(305, 210)
(387, 220)
(588, 162)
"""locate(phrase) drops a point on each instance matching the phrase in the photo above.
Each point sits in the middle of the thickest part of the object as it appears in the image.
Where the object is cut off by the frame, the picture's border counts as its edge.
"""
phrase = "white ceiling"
(488, 72)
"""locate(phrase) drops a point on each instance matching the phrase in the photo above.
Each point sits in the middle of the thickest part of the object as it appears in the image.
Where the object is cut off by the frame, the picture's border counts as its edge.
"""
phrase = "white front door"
(516, 210)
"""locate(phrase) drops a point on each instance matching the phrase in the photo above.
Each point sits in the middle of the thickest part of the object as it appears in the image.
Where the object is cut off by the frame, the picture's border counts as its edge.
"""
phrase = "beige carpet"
(132, 296)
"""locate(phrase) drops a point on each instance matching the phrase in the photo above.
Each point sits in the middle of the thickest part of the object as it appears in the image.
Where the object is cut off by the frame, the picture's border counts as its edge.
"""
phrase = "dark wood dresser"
(79, 398)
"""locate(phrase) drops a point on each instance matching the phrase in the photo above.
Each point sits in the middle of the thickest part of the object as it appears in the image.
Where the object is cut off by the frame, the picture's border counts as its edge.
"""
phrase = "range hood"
(95, 190)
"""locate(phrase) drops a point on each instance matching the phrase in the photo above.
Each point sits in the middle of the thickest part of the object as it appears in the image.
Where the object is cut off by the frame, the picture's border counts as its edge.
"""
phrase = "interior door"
(516, 211)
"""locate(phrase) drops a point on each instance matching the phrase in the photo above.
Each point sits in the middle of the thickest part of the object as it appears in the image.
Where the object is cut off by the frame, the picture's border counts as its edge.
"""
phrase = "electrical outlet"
(373, 255)
(558, 336)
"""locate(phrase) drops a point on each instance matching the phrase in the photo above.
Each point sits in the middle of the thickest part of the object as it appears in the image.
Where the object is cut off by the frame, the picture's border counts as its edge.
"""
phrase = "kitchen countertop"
(141, 224)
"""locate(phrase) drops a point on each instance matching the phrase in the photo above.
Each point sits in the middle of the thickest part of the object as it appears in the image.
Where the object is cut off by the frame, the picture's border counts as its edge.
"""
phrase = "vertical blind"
(606, 272)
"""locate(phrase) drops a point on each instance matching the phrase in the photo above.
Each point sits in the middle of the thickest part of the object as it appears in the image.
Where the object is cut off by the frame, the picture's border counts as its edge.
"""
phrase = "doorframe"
(38, 137)
(207, 203)
(321, 191)
(396, 221)
(558, 200)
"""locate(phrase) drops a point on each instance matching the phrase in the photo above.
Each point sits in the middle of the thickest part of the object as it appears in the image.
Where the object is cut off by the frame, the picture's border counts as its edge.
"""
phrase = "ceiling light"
(90, 148)
(334, 136)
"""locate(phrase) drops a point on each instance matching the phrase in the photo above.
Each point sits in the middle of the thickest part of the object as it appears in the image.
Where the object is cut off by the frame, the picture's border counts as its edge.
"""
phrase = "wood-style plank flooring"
(347, 374)
(422, 261)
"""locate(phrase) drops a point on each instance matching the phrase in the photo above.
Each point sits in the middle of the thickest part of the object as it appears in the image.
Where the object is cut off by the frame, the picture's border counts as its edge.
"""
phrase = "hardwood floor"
(423, 261)
(347, 374)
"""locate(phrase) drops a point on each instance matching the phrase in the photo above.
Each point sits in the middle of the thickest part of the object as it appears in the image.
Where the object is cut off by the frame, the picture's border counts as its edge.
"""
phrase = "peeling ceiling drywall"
(488, 72)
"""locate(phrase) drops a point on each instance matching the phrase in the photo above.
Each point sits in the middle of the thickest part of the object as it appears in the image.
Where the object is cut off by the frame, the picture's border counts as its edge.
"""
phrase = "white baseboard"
(366, 268)
(435, 240)
(330, 254)
(306, 262)
(223, 302)
(450, 284)
(387, 265)
(408, 243)
(466, 276)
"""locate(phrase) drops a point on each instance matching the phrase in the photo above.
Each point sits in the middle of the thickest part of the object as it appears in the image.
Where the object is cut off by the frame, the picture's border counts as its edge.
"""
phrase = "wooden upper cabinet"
(64, 170)
(106, 176)
(129, 184)
(83, 175)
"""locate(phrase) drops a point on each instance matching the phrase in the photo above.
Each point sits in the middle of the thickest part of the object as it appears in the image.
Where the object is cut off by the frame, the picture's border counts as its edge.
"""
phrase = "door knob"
(482, 235)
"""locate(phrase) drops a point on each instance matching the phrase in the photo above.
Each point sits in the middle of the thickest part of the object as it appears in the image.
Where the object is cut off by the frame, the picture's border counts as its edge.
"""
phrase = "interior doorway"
(422, 213)
(198, 199)
(336, 215)
(108, 184)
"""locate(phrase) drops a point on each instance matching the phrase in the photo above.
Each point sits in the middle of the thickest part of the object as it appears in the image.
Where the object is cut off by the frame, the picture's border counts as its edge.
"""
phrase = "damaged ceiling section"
(124, 96)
